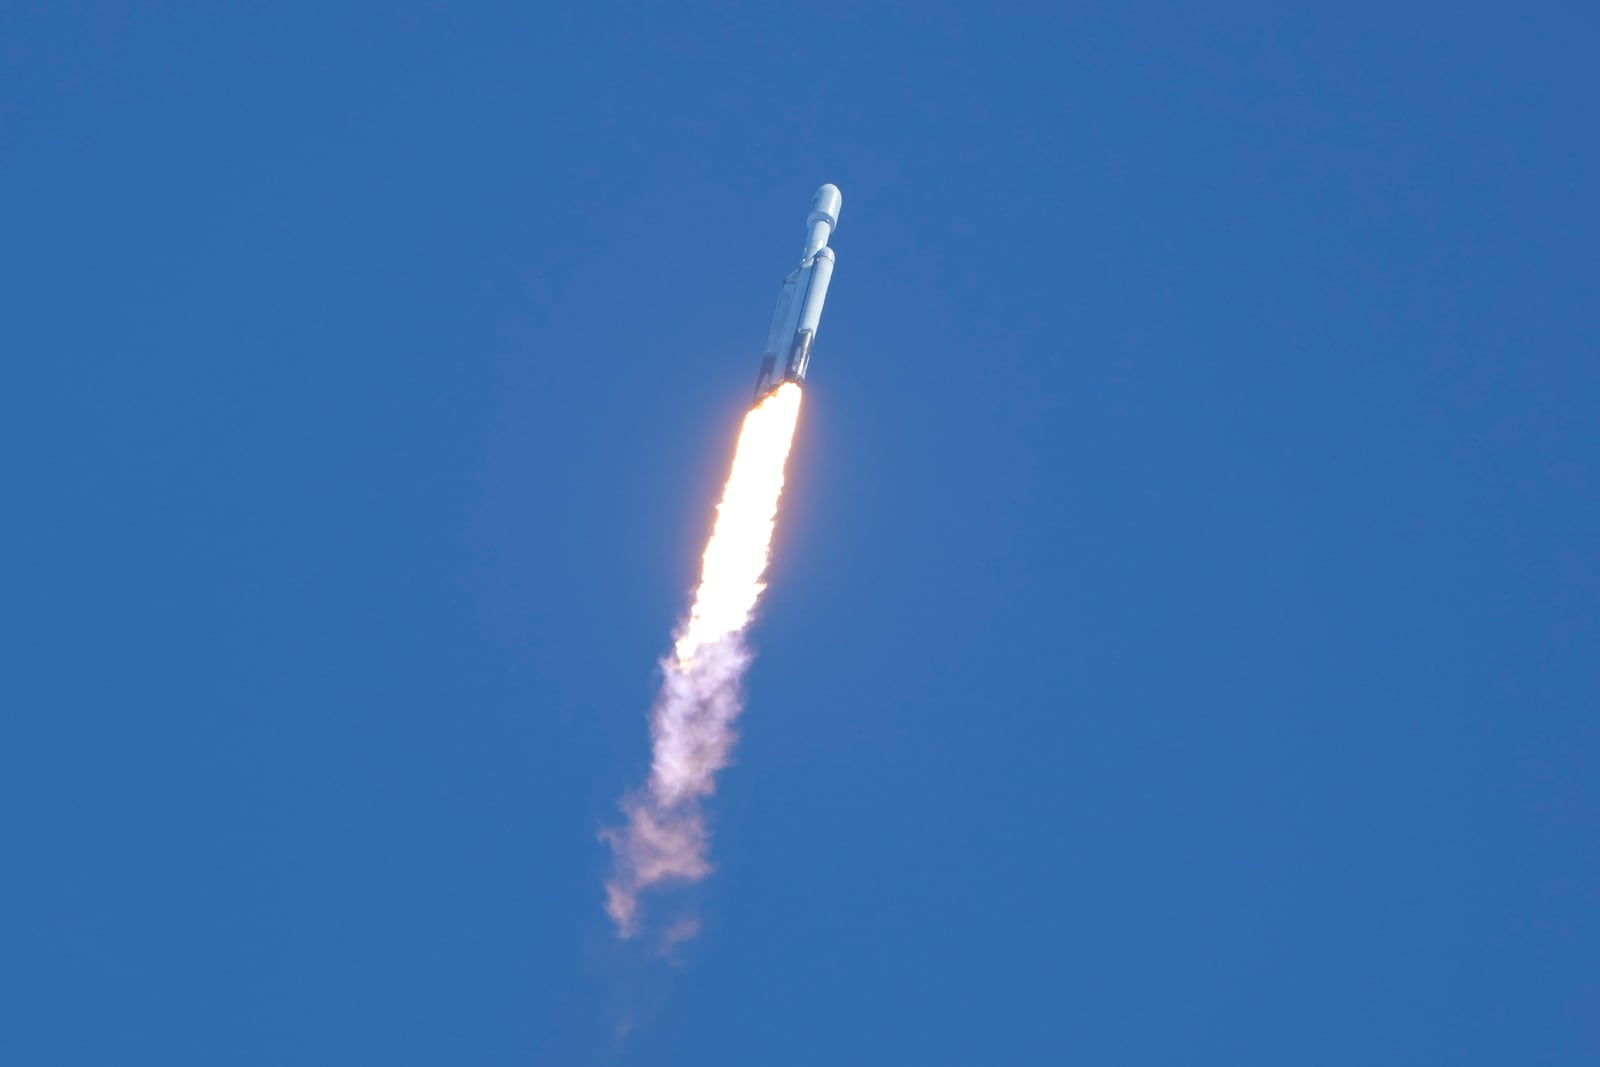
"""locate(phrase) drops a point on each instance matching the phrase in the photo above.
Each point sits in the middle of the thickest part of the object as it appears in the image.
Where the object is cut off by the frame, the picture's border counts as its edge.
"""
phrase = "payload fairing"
(794, 326)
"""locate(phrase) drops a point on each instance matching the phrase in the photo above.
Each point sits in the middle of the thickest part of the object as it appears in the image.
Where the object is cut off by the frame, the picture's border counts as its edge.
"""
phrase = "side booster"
(794, 326)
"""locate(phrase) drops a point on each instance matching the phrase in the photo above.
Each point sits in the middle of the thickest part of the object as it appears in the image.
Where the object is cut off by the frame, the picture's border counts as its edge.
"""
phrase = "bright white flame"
(736, 555)
(665, 839)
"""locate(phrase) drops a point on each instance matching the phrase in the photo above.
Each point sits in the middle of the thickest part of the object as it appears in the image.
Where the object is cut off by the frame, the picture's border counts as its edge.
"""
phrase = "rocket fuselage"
(794, 325)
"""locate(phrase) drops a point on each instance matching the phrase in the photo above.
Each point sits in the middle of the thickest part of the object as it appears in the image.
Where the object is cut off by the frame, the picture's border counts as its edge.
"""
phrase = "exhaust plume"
(665, 840)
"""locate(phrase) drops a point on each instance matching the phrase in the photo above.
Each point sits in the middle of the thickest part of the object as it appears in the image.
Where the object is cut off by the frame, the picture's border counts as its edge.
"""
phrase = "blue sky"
(1181, 644)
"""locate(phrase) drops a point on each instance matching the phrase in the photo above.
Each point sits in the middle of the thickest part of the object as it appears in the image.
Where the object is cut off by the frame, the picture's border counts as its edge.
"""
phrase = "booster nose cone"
(825, 206)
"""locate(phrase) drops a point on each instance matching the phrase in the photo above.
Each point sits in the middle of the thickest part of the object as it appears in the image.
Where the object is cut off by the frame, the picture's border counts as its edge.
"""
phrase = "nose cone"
(825, 206)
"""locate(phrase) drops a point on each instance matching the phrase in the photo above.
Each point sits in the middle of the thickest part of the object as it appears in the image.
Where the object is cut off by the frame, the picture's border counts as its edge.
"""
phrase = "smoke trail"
(665, 840)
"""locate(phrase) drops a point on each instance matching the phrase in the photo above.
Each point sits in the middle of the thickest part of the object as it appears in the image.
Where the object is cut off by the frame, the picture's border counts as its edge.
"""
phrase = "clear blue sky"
(1182, 643)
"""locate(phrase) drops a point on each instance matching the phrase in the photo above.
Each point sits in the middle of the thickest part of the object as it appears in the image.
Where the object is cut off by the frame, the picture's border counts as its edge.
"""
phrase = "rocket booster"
(794, 325)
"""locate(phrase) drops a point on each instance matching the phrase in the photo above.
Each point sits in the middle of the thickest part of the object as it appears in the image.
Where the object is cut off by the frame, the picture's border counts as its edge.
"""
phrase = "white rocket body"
(794, 325)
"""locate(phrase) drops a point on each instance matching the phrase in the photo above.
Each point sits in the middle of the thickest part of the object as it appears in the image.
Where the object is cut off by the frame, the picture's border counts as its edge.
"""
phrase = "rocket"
(794, 325)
